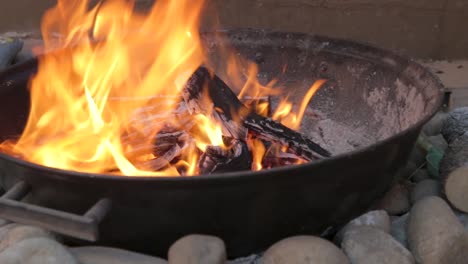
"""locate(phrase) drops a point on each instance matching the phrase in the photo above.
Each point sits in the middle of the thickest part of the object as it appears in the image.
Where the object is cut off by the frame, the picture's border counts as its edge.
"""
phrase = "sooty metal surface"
(382, 98)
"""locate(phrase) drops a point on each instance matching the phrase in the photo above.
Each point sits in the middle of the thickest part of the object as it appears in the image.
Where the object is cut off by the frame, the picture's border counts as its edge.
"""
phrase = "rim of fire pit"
(287, 38)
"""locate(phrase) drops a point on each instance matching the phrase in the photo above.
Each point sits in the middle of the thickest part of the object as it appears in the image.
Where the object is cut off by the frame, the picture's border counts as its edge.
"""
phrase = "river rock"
(458, 253)
(456, 156)
(434, 126)
(194, 249)
(425, 188)
(13, 233)
(304, 250)
(396, 200)
(433, 230)
(38, 250)
(369, 245)
(455, 124)
(106, 255)
(456, 188)
(378, 219)
(398, 229)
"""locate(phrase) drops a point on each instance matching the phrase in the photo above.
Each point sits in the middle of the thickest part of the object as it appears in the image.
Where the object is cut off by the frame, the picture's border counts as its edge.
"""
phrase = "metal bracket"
(78, 226)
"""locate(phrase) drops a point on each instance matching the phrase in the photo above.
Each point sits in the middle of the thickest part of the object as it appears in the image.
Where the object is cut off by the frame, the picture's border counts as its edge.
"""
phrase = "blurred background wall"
(436, 29)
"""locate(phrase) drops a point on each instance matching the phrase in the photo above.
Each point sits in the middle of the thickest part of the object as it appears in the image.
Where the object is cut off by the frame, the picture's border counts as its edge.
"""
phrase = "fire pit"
(367, 114)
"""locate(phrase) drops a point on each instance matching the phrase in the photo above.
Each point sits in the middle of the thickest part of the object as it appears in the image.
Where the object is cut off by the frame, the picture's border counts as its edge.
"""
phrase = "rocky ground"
(422, 219)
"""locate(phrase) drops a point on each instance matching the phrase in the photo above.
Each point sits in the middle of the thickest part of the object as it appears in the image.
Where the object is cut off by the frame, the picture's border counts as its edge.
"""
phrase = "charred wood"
(162, 161)
(206, 93)
(167, 148)
(235, 157)
(276, 157)
(167, 139)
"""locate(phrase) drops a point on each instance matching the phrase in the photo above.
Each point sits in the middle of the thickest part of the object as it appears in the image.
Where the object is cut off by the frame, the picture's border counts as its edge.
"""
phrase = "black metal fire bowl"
(376, 92)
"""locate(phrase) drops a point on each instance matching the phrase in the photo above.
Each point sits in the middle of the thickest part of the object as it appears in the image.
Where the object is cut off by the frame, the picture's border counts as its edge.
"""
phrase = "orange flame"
(73, 124)
(258, 152)
(108, 66)
(212, 134)
(293, 119)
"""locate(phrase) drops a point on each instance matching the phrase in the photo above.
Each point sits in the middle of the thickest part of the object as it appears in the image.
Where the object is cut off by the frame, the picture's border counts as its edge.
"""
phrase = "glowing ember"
(112, 69)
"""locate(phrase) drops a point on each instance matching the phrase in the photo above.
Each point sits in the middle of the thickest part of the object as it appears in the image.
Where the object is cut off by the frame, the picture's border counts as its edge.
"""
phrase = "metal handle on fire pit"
(78, 226)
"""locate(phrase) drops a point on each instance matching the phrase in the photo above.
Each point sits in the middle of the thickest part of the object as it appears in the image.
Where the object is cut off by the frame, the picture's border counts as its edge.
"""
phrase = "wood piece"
(456, 188)
(162, 161)
(167, 139)
(205, 92)
(234, 158)
(219, 105)
(275, 157)
(168, 146)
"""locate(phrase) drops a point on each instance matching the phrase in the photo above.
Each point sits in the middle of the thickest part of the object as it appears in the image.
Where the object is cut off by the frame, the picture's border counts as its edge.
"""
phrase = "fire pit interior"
(261, 179)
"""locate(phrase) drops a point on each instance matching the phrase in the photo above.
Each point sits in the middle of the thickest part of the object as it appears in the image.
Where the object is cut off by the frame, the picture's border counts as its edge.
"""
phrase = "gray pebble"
(396, 200)
(378, 219)
(458, 252)
(38, 250)
(425, 188)
(368, 245)
(106, 255)
(13, 233)
(304, 250)
(398, 229)
(434, 126)
(432, 230)
(456, 156)
(197, 249)
(455, 124)
(456, 188)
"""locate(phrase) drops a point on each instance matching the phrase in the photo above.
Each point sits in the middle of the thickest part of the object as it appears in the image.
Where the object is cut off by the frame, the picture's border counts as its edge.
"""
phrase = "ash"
(337, 138)
(333, 135)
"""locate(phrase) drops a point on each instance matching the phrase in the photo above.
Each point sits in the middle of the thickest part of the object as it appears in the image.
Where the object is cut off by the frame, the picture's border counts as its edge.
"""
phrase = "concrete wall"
(420, 28)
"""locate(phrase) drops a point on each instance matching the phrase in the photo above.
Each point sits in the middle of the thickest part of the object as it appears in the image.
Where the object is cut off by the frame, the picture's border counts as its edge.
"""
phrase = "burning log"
(165, 140)
(167, 148)
(275, 157)
(225, 106)
(162, 161)
(235, 157)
